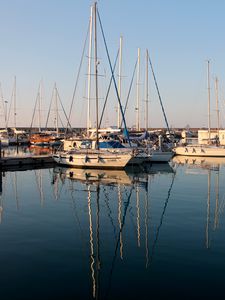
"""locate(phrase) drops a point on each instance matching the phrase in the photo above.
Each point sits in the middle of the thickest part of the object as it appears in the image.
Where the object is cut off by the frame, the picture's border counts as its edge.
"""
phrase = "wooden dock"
(25, 161)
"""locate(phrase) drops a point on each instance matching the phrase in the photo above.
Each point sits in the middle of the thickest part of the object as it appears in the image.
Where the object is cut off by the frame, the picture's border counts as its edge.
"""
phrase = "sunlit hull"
(198, 150)
(94, 159)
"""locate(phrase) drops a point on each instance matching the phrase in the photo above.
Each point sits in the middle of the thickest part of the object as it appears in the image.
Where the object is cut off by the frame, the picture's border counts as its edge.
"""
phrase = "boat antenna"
(160, 99)
(113, 77)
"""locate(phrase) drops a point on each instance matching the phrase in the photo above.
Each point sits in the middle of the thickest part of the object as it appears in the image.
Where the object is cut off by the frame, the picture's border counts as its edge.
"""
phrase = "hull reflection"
(95, 175)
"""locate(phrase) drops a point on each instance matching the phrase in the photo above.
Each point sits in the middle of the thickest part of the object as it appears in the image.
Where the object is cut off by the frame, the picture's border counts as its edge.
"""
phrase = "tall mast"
(56, 110)
(96, 71)
(209, 119)
(119, 82)
(138, 94)
(217, 104)
(146, 89)
(14, 100)
(39, 106)
(4, 107)
(89, 69)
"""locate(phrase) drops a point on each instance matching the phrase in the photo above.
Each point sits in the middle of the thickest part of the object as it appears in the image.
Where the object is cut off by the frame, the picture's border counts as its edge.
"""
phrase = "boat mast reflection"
(209, 166)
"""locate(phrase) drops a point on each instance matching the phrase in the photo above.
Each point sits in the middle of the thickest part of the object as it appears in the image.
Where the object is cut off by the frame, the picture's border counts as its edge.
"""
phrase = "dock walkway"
(31, 160)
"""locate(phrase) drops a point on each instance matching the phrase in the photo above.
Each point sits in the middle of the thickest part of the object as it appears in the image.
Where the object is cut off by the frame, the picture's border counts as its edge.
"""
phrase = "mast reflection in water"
(97, 234)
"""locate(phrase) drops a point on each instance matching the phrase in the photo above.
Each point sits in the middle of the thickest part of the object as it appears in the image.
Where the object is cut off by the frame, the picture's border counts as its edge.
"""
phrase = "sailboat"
(212, 148)
(95, 158)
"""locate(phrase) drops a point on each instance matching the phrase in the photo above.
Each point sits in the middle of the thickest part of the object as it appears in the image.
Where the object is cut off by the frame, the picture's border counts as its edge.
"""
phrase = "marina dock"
(25, 161)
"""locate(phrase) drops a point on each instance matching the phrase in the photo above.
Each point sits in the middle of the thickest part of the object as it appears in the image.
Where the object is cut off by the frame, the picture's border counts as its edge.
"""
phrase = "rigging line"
(75, 214)
(78, 75)
(50, 107)
(106, 199)
(60, 119)
(132, 220)
(129, 91)
(118, 241)
(63, 108)
(107, 94)
(161, 219)
(160, 99)
(114, 81)
(10, 107)
(35, 106)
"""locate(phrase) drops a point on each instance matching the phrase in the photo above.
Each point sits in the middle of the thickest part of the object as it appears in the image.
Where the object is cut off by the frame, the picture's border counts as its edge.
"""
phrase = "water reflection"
(26, 150)
(139, 224)
(130, 190)
(209, 166)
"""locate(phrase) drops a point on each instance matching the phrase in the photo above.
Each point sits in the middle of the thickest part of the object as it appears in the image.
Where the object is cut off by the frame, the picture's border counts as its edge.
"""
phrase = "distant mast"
(119, 82)
(96, 71)
(217, 104)
(56, 110)
(209, 118)
(39, 106)
(89, 72)
(146, 90)
(14, 100)
(138, 94)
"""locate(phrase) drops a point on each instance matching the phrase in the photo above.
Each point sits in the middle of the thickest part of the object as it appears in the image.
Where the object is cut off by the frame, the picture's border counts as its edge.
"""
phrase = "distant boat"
(41, 139)
(212, 149)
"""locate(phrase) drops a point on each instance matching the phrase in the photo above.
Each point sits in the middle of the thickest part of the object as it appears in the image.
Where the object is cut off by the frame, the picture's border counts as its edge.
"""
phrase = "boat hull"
(203, 151)
(98, 159)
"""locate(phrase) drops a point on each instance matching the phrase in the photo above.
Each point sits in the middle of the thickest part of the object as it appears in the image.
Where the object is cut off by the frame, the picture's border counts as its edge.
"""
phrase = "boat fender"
(71, 158)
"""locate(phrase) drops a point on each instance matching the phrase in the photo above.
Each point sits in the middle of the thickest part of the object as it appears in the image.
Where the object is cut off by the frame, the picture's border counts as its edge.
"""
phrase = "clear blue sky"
(43, 40)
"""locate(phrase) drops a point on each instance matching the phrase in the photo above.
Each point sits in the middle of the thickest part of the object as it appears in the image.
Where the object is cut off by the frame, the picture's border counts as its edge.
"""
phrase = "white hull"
(200, 150)
(94, 159)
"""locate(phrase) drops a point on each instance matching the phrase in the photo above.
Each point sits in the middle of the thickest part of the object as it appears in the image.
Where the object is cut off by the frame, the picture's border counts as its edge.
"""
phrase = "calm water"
(139, 234)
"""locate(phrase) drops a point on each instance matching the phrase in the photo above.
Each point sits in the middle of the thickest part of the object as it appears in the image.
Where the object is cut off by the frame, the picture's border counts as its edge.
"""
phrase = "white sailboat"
(207, 150)
(95, 158)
